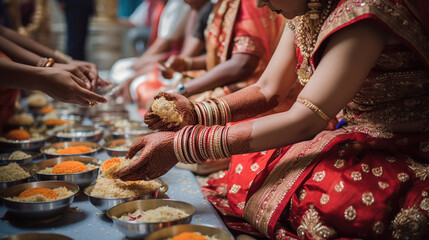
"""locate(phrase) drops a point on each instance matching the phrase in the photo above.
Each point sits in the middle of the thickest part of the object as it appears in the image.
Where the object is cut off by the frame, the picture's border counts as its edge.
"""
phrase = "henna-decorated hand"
(183, 106)
(156, 159)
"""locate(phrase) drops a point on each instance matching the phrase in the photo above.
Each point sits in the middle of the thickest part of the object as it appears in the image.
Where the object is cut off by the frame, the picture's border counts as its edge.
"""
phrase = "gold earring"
(314, 6)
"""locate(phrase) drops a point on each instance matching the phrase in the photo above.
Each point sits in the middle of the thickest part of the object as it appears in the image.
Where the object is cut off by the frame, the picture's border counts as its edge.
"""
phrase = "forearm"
(159, 46)
(239, 67)
(24, 77)
(17, 53)
(29, 44)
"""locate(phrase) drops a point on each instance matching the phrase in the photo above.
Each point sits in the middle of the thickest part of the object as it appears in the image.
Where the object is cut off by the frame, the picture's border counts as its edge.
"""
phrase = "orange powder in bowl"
(53, 122)
(74, 150)
(69, 167)
(47, 110)
(18, 134)
(189, 236)
(109, 163)
(46, 192)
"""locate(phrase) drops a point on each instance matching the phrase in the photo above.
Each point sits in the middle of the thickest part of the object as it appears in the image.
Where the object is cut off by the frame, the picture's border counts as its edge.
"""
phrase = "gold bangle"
(188, 63)
(314, 108)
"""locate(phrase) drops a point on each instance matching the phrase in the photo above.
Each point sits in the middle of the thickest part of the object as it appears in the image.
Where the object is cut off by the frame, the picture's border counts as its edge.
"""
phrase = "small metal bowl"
(142, 229)
(82, 179)
(130, 132)
(95, 146)
(175, 230)
(80, 134)
(112, 147)
(37, 210)
(13, 145)
(105, 204)
(4, 159)
(6, 184)
(37, 236)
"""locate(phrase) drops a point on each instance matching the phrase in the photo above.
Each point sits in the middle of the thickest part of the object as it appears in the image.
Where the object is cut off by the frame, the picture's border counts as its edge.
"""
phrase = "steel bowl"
(130, 132)
(4, 159)
(6, 184)
(37, 236)
(80, 134)
(106, 119)
(37, 210)
(95, 146)
(82, 179)
(113, 147)
(105, 204)
(142, 229)
(175, 230)
(13, 145)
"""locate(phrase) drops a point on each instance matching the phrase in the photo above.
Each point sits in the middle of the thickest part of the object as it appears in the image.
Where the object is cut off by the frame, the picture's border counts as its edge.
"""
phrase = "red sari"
(7, 101)
(369, 179)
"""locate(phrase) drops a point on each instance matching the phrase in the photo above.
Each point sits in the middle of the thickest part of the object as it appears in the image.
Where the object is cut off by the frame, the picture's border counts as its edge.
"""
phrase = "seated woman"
(368, 179)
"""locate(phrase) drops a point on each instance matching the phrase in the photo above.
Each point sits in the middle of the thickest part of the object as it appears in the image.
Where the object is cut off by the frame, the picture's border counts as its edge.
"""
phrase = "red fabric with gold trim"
(7, 100)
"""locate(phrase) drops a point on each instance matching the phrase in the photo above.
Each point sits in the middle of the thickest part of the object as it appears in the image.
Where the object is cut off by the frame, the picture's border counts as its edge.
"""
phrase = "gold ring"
(91, 103)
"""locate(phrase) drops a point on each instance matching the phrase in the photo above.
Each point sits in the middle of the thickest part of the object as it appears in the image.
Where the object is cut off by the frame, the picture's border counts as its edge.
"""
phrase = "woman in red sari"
(368, 179)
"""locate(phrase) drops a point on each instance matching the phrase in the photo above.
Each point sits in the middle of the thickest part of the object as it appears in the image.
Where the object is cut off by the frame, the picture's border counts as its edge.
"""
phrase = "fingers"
(83, 80)
(159, 124)
(135, 148)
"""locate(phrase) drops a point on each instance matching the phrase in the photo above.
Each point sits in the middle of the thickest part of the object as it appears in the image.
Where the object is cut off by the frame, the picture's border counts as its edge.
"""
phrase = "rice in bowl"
(42, 194)
(18, 155)
(160, 214)
(12, 172)
(115, 188)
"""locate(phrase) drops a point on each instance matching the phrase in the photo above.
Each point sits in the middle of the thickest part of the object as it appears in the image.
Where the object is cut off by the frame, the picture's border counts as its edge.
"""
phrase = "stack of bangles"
(213, 112)
(195, 144)
(46, 62)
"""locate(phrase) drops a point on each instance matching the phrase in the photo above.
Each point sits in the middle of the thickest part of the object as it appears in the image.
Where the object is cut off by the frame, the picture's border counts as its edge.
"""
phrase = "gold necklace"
(306, 31)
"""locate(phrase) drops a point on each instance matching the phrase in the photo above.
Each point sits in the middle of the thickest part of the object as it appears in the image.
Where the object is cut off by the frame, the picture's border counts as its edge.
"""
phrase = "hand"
(124, 91)
(66, 87)
(80, 73)
(173, 64)
(156, 159)
(91, 72)
(183, 106)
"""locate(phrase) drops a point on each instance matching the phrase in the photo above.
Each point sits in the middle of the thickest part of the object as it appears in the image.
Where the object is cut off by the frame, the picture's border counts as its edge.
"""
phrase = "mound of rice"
(110, 170)
(12, 172)
(18, 155)
(115, 188)
(160, 214)
(21, 119)
(166, 109)
(62, 192)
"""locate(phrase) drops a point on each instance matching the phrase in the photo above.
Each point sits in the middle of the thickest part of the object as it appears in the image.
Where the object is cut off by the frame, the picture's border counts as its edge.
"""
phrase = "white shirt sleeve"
(173, 20)
(138, 16)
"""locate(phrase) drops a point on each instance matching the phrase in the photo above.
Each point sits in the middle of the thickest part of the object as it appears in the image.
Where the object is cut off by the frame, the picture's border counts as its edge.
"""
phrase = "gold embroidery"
(378, 171)
(367, 198)
(424, 146)
(239, 168)
(356, 176)
(241, 205)
(324, 199)
(409, 223)
(365, 168)
(339, 163)
(244, 44)
(312, 226)
(235, 188)
(424, 205)
(339, 187)
(224, 203)
(254, 167)
(403, 177)
(421, 171)
(391, 159)
(383, 185)
(378, 227)
(319, 176)
(424, 194)
(302, 195)
(350, 213)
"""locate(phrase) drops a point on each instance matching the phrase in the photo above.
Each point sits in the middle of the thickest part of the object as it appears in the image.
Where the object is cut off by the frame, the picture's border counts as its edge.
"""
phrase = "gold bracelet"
(314, 108)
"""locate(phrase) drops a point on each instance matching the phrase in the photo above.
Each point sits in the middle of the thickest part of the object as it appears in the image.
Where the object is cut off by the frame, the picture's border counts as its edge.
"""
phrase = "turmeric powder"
(69, 167)
(47, 110)
(189, 236)
(18, 134)
(74, 150)
(52, 122)
(46, 192)
(109, 163)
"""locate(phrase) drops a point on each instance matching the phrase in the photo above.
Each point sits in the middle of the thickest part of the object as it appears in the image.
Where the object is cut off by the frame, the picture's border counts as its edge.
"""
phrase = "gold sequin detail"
(302, 194)
(356, 176)
(378, 171)
(383, 185)
(403, 177)
(367, 198)
(241, 205)
(424, 146)
(324, 199)
(424, 205)
(239, 169)
(254, 167)
(365, 168)
(339, 187)
(424, 194)
(319, 176)
(313, 226)
(409, 223)
(421, 171)
(339, 163)
(378, 227)
(235, 188)
(350, 213)
(391, 159)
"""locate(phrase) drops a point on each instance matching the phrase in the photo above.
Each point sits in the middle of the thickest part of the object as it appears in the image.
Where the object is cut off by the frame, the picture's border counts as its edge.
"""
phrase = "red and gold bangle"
(198, 111)
(185, 146)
